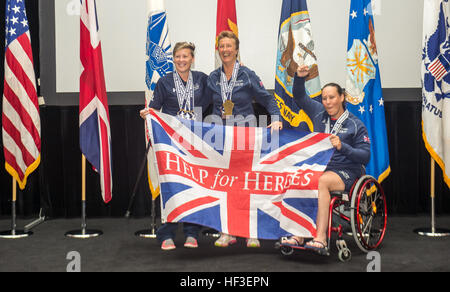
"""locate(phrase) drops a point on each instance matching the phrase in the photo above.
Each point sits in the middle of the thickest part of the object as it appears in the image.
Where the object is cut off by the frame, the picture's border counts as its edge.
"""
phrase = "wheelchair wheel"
(286, 250)
(368, 213)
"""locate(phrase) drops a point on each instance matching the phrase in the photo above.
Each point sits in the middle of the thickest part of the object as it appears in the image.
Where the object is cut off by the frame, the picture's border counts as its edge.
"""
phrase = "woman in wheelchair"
(350, 139)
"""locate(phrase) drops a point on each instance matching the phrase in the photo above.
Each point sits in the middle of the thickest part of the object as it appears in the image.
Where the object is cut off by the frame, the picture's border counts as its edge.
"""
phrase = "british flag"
(95, 132)
(242, 181)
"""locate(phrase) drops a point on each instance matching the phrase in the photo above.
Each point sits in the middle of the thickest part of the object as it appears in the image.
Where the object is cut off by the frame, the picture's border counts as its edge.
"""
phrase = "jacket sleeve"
(359, 152)
(263, 97)
(301, 98)
(158, 96)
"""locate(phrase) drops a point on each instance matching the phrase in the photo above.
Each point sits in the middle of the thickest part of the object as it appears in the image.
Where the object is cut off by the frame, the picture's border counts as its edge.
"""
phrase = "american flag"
(241, 181)
(95, 132)
(439, 67)
(21, 126)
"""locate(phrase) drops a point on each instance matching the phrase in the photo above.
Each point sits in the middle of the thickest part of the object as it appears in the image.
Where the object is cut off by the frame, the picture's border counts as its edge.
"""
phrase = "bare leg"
(329, 181)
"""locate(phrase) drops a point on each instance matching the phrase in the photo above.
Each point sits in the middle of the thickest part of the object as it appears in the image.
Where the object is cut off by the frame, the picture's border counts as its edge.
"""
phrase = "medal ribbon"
(226, 88)
(185, 95)
(337, 126)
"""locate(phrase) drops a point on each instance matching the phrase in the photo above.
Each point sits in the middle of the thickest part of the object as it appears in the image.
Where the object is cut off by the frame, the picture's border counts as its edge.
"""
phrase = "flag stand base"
(437, 232)
(83, 234)
(15, 234)
(432, 231)
(211, 233)
(148, 233)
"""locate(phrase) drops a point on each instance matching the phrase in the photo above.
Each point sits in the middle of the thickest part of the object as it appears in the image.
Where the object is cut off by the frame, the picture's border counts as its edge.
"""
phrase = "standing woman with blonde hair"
(233, 88)
(178, 94)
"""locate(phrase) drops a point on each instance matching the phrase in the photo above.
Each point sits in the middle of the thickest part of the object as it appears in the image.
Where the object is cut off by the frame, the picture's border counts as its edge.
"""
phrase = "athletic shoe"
(253, 242)
(168, 244)
(225, 240)
(191, 242)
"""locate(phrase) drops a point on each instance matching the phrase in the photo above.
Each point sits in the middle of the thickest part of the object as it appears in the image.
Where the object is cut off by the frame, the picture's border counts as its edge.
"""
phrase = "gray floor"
(118, 249)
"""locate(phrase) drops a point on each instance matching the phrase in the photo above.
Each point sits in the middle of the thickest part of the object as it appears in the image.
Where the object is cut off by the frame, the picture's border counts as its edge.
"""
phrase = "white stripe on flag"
(23, 97)
(22, 58)
(25, 136)
(11, 146)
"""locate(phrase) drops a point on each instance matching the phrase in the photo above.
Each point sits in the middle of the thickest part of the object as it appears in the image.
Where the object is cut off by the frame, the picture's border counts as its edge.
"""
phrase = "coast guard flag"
(436, 83)
(226, 20)
(21, 125)
(295, 48)
(241, 181)
(363, 85)
(95, 132)
(159, 62)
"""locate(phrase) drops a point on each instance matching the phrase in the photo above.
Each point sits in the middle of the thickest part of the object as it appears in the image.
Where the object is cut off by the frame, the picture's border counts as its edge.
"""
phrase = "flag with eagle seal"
(436, 83)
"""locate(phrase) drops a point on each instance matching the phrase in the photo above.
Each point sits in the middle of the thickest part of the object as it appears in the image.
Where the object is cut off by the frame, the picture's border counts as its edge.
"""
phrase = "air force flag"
(436, 83)
(363, 85)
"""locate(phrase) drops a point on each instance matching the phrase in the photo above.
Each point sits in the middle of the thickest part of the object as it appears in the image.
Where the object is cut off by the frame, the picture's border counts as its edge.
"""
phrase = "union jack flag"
(21, 125)
(242, 181)
(95, 132)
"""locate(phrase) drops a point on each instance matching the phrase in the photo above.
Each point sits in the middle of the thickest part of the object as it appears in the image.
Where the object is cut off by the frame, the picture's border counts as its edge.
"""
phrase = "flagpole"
(13, 233)
(147, 233)
(433, 231)
(83, 233)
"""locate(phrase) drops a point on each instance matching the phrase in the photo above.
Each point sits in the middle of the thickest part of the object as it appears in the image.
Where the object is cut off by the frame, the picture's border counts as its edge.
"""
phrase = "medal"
(228, 106)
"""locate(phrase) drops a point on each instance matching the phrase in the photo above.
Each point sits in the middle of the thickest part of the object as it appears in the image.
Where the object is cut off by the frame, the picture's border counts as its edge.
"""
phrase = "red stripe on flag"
(296, 218)
(25, 42)
(188, 147)
(23, 114)
(21, 76)
(14, 133)
(190, 205)
(290, 150)
(104, 143)
(11, 160)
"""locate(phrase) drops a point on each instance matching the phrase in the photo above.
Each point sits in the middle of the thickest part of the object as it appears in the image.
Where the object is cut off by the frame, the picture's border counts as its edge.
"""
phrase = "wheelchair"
(360, 213)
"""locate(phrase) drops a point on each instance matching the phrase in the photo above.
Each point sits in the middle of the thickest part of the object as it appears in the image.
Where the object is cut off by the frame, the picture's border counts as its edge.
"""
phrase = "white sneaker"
(253, 242)
(225, 240)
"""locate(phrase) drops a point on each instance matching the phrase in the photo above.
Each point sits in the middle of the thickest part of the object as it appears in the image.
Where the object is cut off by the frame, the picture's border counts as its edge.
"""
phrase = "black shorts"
(348, 176)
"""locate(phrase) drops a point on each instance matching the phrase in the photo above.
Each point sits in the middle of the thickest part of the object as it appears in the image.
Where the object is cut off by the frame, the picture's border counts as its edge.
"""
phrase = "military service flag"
(159, 62)
(363, 85)
(295, 48)
(226, 20)
(436, 83)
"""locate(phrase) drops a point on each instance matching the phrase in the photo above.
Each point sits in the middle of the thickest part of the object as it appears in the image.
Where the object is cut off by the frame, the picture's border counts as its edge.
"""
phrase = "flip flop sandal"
(292, 241)
(322, 250)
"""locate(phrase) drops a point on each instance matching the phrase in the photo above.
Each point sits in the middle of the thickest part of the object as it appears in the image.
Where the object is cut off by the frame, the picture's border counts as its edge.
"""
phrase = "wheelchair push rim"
(368, 214)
